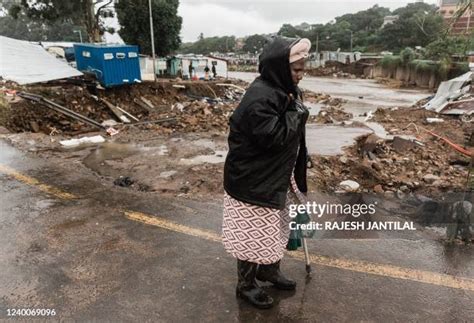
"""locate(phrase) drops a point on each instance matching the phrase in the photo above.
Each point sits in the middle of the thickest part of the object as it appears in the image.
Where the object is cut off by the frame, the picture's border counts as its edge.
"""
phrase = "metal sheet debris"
(25, 63)
(450, 91)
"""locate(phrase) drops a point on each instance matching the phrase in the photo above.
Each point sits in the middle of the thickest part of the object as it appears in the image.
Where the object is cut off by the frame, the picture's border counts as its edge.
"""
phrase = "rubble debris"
(402, 145)
(168, 174)
(124, 181)
(349, 186)
(460, 107)
(84, 140)
(112, 132)
(109, 123)
(450, 143)
(402, 161)
(153, 121)
(26, 63)
(434, 120)
(149, 102)
(119, 114)
(430, 178)
(58, 108)
(128, 114)
(452, 90)
(241, 89)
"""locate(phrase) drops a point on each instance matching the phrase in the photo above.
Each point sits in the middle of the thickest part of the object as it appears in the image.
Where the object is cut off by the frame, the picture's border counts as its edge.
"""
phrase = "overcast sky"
(244, 17)
(247, 17)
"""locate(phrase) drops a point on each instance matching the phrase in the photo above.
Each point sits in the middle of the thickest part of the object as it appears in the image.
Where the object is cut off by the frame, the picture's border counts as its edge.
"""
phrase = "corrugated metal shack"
(179, 66)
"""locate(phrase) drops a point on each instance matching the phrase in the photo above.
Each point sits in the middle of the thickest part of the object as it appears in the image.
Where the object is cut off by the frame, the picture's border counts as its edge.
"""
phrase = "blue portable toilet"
(112, 64)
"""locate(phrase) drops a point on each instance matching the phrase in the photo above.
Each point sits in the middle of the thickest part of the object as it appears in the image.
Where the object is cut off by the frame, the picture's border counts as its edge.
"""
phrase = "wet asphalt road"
(84, 258)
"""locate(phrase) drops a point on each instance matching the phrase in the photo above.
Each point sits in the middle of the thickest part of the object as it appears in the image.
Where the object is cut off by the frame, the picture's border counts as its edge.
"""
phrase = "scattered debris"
(349, 186)
(168, 174)
(241, 89)
(402, 161)
(402, 145)
(434, 120)
(124, 181)
(58, 108)
(83, 140)
(430, 178)
(109, 123)
(148, 102)
(116, 111)
(456, 89)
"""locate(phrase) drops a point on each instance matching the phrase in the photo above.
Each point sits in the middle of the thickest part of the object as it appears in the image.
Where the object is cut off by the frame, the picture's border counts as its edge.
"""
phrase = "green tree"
(288, 30)
(84, 13)
(418, 25)
(209, 44)
(444, 48)
(254, 43)
(337, 34)
(25, 28)
(368, 20)
(133, 16)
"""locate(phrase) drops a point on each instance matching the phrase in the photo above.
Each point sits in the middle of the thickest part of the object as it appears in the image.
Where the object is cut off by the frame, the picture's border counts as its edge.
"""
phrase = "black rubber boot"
(271, 273)
(247, 286)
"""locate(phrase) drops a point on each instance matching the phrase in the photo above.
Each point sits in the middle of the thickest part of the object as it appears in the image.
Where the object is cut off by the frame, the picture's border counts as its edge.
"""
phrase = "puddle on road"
(116, 151)
(218, 157)
(331, 140)
(314, 108)
(206, 143)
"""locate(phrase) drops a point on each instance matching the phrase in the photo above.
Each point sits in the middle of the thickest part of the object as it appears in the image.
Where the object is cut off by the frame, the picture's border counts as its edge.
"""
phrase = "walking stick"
(306, 256)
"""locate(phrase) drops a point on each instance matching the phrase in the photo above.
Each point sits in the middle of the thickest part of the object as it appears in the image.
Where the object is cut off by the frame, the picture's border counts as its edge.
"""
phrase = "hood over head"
(274, 64)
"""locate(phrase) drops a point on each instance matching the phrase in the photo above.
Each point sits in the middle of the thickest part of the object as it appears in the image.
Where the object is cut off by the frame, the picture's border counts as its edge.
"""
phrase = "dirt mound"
(203, 103)
(415, 161)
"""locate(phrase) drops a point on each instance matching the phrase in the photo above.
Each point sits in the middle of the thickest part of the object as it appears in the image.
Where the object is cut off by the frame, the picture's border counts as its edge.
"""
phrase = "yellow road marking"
(345, 264)
(172, 226)
(34, 182)
(359, 266)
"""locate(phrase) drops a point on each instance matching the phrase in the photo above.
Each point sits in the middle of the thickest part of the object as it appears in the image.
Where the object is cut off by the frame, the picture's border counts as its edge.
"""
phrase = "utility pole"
(317, 44)
(152, 35)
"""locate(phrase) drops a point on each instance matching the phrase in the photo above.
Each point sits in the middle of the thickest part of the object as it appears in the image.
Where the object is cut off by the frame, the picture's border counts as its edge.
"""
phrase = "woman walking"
(265, 170)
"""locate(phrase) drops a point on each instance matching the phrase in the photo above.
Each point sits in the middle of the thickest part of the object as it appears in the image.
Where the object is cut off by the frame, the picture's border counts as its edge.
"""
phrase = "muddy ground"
(407, 160)
(184, 156)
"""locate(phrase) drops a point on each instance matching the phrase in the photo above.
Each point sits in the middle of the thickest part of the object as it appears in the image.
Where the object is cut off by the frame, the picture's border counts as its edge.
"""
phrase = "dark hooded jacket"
(266, 130)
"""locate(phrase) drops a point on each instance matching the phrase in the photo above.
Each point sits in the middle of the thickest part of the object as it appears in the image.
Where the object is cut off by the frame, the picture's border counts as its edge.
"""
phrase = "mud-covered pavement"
(129, 230)
(98, 252)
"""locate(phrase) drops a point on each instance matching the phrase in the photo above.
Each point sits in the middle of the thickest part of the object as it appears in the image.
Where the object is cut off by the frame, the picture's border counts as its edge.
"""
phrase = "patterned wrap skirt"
(257, 234)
